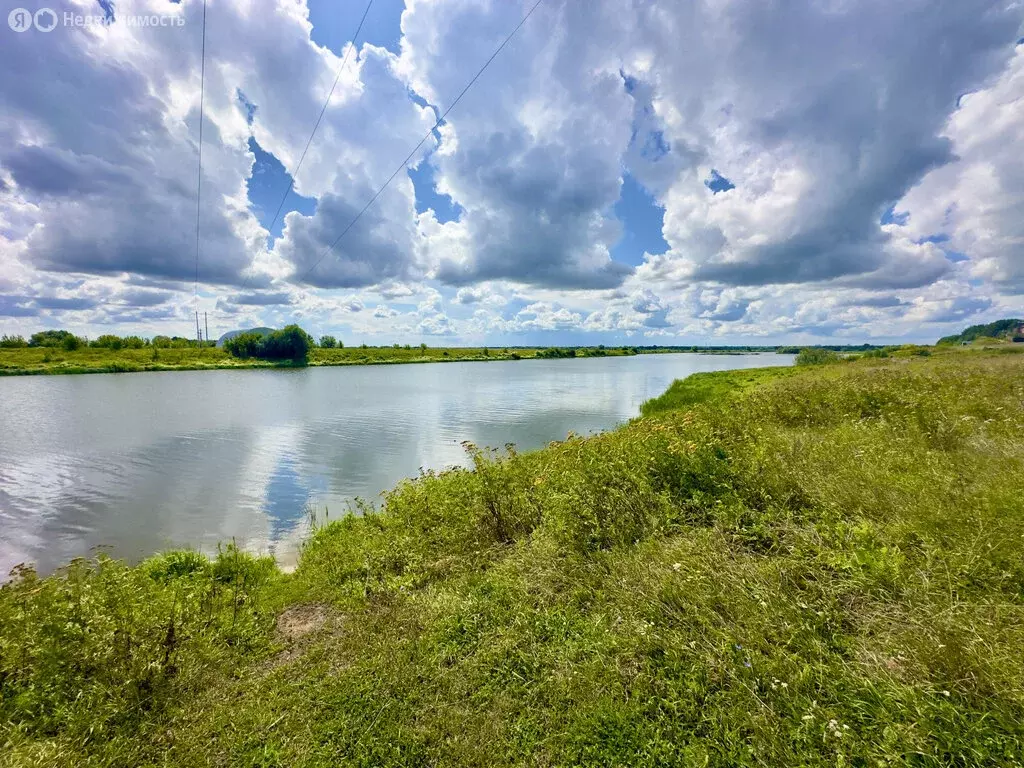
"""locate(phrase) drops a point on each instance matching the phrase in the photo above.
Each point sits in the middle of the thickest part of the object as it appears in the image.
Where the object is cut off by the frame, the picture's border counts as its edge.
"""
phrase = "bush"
(555, 353)
(291, 343)
(110, 341)
(816, 356)
(176, 342)
(12, 342)
(244, 345)
(49, 338)
(106, 341)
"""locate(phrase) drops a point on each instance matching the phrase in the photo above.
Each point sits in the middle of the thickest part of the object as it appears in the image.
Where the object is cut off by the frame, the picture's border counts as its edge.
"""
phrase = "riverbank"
(819, 567)
(52, 361)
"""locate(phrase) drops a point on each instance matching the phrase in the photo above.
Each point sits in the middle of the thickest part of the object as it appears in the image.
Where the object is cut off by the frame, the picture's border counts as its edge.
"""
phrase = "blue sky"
(656, 175)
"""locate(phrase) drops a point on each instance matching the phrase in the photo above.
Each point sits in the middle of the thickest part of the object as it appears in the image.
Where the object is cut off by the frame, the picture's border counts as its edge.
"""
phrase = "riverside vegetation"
(59, 352)
(818, 566)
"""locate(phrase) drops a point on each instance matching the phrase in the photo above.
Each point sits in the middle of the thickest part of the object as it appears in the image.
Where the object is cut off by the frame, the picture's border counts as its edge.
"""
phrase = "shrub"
(49, 338)
(816, 356)
(107, 341)
(244, 345)
(291, 343)
(12, 342)
(555, 352)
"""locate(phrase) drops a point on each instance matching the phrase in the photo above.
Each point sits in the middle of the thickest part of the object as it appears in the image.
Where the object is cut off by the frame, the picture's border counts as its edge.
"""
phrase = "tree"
(423, 347)
(107, 341)
(49, 338)
(244, 345)
(12, 342)
(291, 343)
(110, 341)
(328, 342)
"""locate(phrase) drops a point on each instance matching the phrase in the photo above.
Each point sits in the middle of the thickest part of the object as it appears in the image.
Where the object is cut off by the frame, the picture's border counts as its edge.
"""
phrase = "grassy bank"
(37, 360)
(818, 567)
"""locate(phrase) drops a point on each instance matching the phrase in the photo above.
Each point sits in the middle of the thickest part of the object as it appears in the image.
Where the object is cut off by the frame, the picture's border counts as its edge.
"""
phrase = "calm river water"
(141, 462)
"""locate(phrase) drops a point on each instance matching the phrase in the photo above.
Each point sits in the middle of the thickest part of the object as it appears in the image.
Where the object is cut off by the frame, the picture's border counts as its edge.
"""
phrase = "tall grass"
(822, 567)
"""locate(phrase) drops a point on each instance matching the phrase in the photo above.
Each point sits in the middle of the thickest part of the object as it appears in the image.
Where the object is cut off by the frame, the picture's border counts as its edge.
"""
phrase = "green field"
(821, 566)
(46, 360)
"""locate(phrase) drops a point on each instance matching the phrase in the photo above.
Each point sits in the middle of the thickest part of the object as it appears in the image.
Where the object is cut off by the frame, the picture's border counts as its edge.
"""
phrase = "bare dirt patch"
(298, 621)
(297, 627)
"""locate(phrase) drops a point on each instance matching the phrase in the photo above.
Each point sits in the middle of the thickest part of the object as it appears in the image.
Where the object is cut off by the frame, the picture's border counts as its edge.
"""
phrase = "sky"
(624, 172)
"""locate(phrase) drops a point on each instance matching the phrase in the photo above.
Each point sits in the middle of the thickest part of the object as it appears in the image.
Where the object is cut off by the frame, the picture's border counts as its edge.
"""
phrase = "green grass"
(705, 387)
(30, 361)
(816, 567)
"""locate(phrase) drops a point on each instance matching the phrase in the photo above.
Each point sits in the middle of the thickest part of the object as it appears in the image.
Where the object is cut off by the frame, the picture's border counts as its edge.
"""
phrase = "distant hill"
(1004, 330)
(232, 334)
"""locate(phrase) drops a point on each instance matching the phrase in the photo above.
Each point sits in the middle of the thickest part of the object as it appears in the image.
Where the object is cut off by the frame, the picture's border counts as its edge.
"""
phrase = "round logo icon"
(19, 20)
(45, 19)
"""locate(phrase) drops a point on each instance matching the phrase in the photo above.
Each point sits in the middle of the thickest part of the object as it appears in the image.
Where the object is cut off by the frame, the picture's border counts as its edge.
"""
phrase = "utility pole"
(207, 324)
(199, 334)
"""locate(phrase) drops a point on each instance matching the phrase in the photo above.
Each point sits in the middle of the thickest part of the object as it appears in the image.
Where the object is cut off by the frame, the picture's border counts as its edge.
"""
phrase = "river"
(139, 462)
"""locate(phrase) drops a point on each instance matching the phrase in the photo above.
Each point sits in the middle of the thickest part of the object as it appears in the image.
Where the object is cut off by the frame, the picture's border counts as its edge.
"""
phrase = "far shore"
(47, 361)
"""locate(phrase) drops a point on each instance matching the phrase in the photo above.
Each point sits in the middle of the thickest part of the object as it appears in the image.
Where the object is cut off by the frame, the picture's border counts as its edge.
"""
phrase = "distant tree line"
(68, 341)
(1010, 328)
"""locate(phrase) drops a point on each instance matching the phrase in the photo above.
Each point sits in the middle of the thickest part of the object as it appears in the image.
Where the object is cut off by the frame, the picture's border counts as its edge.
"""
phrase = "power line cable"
(320, 117)
(199, 180)
(302, 157)
(440, 120)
